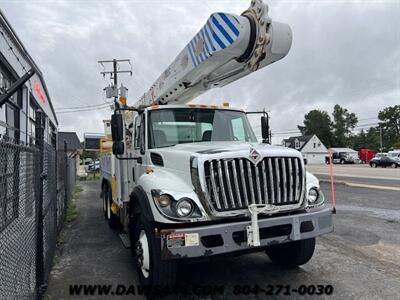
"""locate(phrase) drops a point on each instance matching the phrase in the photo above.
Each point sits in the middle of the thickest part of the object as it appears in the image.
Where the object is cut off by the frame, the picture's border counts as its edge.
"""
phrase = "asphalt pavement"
(360, 260)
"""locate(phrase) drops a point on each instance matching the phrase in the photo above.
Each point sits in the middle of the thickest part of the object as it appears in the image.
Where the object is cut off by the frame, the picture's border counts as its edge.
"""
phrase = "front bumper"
(226, 238)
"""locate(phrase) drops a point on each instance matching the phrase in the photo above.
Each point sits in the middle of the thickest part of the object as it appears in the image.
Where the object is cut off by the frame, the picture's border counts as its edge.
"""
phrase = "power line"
(366, 125)
(81, 110)
(83, 106)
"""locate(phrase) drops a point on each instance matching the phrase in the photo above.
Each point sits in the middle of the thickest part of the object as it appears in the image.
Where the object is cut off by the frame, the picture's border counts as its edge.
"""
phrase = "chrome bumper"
(225, 238)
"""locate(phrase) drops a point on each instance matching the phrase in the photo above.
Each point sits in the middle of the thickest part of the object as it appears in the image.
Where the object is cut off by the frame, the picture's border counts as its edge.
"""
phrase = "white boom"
(227, 48)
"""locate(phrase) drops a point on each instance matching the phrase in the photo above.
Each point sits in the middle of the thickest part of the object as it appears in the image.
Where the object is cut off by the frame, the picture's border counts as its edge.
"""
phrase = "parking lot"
(361, 259)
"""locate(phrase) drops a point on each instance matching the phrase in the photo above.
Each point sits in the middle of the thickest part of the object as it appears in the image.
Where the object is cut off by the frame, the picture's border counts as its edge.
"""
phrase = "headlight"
(176, 206)
(163, 200)
(313, 195)
(184, 207)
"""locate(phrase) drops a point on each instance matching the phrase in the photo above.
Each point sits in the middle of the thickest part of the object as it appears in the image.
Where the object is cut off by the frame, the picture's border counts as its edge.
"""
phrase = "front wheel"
(374, 165)
(151, 269)
(292, 254)
(393, 165)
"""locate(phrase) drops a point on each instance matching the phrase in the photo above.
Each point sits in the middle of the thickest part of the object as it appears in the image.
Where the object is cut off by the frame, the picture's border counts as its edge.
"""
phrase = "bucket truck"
(191, 181)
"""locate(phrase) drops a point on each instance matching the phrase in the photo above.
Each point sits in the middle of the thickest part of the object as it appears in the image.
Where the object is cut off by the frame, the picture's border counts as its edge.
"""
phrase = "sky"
(343, 52)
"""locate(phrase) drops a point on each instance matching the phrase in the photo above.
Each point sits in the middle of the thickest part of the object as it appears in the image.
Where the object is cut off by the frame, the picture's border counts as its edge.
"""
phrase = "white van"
(394, 154)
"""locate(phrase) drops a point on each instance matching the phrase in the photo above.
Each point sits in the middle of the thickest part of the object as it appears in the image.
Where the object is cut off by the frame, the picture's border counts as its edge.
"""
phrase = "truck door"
(139, 147)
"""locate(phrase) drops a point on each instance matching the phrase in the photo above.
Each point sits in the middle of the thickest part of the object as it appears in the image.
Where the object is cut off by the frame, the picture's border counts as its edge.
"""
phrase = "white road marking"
(357, 176)
(368, 186)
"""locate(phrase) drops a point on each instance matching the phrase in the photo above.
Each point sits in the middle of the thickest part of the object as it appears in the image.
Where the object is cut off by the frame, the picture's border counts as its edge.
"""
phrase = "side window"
(31, 122)
(205, 132)
(238, 129)
(11, 120)
(142, 135)
(137, 131)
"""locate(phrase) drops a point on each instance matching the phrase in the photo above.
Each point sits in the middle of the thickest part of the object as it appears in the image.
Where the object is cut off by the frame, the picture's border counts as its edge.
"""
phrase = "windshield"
(169, 127)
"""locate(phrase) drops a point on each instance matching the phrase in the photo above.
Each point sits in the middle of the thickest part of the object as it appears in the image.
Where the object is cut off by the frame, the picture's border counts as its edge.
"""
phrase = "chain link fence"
(34, 195)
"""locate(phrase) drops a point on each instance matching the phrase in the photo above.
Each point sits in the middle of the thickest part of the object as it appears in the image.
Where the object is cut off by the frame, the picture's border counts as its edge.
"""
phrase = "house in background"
(313, 150)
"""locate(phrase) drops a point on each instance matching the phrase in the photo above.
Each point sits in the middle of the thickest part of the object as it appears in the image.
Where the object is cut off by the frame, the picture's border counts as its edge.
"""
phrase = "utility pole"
(115, 64)
(114, 74)
(380, 130)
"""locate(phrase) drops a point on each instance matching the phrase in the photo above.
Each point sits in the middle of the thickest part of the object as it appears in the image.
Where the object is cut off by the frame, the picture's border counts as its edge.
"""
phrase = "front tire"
(292, 254)
(393, 165)
(374, 165)
(151, 269)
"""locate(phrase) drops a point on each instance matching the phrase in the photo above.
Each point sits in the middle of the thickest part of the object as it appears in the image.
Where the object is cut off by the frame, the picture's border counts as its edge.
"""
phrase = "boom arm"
(227, 48)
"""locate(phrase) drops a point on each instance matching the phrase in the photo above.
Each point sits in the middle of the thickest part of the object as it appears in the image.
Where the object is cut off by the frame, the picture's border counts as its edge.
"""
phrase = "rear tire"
(292, 254)
(151, 269)
(374, 165)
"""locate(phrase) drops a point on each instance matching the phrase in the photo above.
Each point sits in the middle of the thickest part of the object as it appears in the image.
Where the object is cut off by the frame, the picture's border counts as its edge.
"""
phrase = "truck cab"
(190, 181)
(196, 178)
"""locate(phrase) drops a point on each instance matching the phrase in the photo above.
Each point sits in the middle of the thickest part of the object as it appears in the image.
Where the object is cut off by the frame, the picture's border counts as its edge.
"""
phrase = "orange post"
(333, 196)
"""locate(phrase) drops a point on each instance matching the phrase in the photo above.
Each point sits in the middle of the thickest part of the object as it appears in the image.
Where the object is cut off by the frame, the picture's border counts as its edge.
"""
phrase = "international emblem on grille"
(254, 155)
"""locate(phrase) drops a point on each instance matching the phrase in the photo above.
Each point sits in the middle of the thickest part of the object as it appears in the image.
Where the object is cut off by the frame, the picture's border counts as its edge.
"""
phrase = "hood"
(178, 156)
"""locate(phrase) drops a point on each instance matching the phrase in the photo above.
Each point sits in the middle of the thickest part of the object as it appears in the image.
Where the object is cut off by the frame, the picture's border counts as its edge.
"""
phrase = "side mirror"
(117, 128)
(118, 148)
(265, 129)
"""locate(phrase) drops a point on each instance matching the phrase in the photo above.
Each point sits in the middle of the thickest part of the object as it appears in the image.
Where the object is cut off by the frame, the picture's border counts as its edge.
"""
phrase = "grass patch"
(78, 189)
(72, 212)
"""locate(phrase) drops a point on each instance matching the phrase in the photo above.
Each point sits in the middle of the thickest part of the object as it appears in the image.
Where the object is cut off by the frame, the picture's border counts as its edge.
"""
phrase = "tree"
(390, 117)
(359, 140)
(319, 123)
(373, 139)
(344, 122)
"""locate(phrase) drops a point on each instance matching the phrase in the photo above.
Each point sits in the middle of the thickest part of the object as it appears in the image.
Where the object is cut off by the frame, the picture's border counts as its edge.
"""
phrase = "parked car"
(380, 155)
(384, 162)
(94, 166)
(340, 158)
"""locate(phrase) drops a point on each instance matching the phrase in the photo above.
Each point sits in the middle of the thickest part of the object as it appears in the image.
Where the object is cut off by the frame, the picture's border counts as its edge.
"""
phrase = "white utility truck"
(191, 181)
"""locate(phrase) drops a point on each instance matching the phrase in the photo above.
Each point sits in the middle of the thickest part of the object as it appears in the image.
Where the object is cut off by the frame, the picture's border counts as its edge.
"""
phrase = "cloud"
(343, 52)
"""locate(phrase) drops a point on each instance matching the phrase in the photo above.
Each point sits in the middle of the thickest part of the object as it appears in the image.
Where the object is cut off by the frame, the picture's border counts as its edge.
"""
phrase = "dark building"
(74, 146)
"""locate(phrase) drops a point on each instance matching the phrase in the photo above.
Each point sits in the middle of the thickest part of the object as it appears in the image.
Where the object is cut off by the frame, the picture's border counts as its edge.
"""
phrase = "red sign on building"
(38, 91)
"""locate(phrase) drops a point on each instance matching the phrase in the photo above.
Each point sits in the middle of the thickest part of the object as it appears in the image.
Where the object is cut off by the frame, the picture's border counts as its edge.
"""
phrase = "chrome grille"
(234, 183)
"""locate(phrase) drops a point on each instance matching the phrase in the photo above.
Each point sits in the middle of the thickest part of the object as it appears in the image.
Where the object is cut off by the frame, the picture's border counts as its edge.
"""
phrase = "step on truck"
(190, 181)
